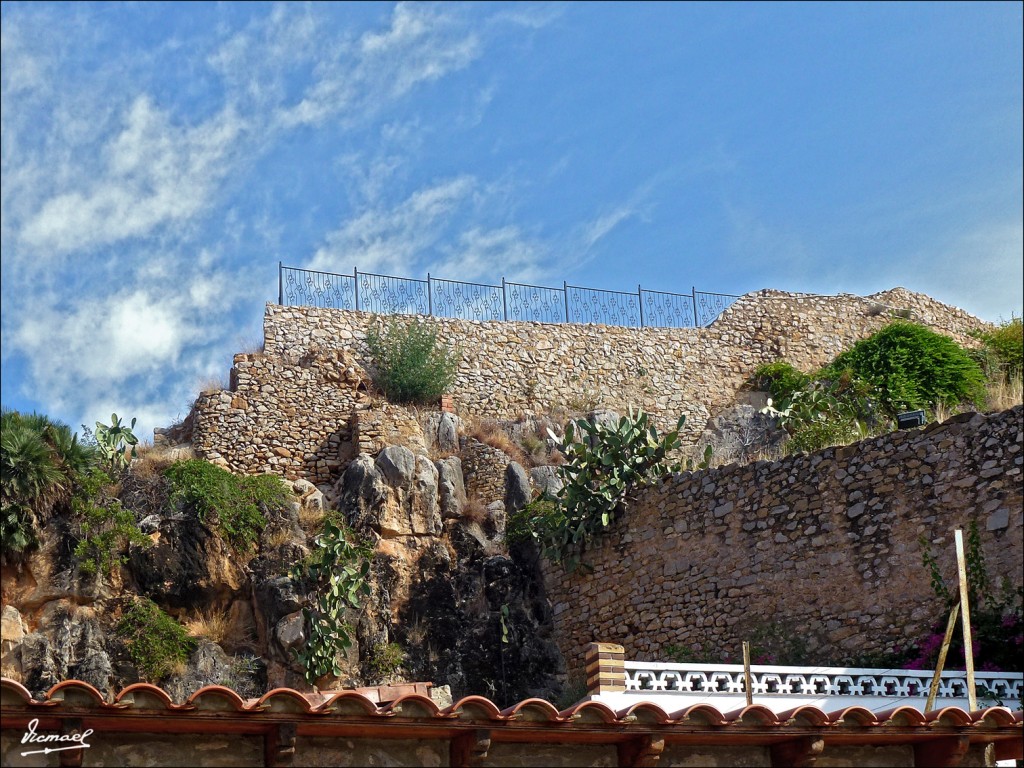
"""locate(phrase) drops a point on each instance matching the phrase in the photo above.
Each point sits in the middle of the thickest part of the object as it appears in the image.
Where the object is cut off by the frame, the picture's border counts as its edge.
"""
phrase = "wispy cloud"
(394, 238)
(151, 174)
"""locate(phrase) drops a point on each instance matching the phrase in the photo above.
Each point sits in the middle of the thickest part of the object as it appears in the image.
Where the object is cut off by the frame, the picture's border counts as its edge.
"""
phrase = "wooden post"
(965, 620)
(933, 690)
(747, 687)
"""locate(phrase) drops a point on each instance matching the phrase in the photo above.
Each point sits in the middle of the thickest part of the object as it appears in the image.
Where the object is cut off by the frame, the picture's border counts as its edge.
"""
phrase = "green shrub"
(910, 366)
(39, 461)
(234, 503)
(156, 643)
(384, 660)
(1006, 345)
(106, 528)
(780, 378)
(412, 367)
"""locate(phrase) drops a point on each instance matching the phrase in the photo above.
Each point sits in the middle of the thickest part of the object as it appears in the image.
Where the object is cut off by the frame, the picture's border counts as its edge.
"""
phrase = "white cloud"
(486, 255)
(153, 173)
(391, 239)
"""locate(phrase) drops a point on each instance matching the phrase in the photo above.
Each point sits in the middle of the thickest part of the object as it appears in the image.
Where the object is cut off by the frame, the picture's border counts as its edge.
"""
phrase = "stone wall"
(829, 541)
(290, 406)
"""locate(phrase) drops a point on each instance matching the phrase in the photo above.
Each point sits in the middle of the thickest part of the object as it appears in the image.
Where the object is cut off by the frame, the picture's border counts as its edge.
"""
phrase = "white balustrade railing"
(727, 679)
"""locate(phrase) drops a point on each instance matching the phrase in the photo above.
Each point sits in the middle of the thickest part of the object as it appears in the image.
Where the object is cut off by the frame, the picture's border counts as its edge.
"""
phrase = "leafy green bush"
(910, 366)
(337, 570)
(384, 660)
(1006, 345)
(780, 378)
(603, 468)
(156, 643)
(39, 461)
(106, 528)
(412, 367)
(232, 502)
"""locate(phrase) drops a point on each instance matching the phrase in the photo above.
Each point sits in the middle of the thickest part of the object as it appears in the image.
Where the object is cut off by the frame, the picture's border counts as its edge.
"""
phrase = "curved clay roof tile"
(148, 696)
(413, 705)
(349, 704)
(534, 710)
(474, 708)
(217, 698)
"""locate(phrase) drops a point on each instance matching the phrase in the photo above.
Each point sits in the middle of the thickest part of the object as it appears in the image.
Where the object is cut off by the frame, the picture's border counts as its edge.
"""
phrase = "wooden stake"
(747, 687)
(961, 569)
(933, 690)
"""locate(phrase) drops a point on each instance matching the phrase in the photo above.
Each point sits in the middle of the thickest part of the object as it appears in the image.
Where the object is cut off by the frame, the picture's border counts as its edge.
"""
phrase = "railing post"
(693, 295)
(565, 293)
(606, 671)
(355, 279)
(504, 301)
(430, 300)
(280, 283)
(640, 297)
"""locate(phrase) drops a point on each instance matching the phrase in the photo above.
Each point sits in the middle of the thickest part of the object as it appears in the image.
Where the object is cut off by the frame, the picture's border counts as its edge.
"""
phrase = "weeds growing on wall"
(1005, 349)
(997, 625)
(234, 504)
(412, 366)
(156, 643)
(605, 465)
(106, 529)
(336, 574)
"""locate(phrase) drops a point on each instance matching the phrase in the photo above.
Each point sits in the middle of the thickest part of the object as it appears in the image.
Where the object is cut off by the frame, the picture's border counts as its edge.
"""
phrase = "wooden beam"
(468, 750)
(70, 758)
(943, 752)
(933, 689)
(748, 688)
(965, 611)
(641, 752)
(798, 753)
(279, 746)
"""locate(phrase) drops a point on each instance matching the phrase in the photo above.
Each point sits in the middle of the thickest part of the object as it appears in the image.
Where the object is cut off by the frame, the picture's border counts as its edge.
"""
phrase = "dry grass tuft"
(490, 433)
(310, 517)
(476, 511)
(213, 625)
(1003, 394)
(278, 537)
(212, 384)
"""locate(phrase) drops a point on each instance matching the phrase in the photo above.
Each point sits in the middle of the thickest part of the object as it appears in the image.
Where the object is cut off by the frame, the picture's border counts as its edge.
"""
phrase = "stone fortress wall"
(295, 408)
(824, 547)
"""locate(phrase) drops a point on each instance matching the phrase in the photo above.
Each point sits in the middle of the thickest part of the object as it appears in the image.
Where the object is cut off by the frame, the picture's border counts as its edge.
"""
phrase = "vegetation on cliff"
(412, 366)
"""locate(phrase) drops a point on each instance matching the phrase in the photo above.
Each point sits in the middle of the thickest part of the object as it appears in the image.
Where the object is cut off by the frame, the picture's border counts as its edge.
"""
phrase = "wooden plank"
(933, 689)
(965, 610)
(748, 687)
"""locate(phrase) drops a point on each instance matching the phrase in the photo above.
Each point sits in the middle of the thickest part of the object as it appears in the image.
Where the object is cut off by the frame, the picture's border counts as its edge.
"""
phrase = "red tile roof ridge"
(475, 702)
(222, 692)
(903, 715)
(93, 699)
(813, 716)
(403, 705)
(655, 713)
(856, 716)
(336, 698)
(149, 689)
(584, 710)
(699, 714)
(751, 714)
(545, 709)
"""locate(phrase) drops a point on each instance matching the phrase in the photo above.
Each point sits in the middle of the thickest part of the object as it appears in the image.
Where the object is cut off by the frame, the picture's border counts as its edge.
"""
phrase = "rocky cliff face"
(448, 602)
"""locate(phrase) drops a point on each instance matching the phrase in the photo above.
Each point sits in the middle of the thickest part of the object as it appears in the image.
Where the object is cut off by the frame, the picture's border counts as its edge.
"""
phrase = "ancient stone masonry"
(291, 406)
(821, 546)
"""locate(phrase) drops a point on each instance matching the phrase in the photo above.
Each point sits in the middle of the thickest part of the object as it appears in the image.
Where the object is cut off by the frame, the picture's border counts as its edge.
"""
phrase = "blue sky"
(159, 160)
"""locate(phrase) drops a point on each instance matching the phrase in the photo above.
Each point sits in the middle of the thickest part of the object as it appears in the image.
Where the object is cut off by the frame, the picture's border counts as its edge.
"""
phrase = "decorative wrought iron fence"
(439, 297)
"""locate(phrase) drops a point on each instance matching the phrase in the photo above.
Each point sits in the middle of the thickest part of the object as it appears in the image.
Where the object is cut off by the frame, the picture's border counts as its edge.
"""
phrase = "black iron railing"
(385, 294)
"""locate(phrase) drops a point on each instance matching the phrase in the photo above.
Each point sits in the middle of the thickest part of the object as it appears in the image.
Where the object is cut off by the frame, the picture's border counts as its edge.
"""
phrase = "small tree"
(412, 366)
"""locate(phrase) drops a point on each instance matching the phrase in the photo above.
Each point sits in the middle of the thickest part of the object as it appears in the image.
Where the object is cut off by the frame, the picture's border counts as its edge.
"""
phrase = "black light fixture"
(910, 419)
